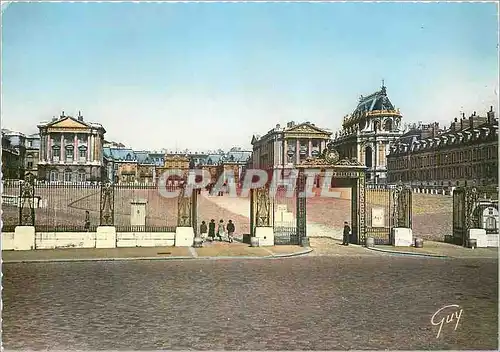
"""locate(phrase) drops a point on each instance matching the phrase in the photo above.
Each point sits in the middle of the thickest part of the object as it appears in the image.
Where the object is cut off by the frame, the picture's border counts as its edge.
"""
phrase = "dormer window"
(128, 157)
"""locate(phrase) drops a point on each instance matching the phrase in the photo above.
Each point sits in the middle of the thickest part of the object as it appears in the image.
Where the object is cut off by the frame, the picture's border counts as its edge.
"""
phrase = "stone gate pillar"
(301, 206)
(184, 232)
(264, 228)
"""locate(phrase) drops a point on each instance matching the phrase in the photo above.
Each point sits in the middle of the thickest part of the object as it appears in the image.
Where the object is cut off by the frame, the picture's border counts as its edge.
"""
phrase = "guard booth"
(475, 211)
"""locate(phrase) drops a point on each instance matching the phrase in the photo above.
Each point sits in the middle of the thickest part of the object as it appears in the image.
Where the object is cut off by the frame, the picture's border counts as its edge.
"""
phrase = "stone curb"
(408, 253)
(75, 260)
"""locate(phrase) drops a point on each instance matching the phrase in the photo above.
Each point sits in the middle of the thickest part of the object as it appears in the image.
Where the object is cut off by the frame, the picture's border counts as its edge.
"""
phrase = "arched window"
(68, 176)
(82, 176)
(54, 175)
(128, 157)
(388, 125)
(368, 156)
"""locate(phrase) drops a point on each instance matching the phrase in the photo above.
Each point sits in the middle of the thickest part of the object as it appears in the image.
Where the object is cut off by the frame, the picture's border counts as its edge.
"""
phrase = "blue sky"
(210, 75)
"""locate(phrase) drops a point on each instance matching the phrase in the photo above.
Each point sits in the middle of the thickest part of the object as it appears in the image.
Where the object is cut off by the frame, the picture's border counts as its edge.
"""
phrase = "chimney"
(80, 117)
(491, 115)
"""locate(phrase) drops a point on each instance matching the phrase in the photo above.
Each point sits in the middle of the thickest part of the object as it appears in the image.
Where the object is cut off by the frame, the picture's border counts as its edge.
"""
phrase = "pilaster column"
(309, 148)
(96, 150)
(75, 148)
(285, 151)
(62, 154)
(48, 153)
(297, 151)
(90, 147)
(323, 146)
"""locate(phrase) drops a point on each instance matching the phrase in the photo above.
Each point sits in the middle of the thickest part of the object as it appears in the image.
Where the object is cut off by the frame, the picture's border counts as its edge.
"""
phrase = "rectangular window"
(67, 176)
(69, 155)
(30, 164)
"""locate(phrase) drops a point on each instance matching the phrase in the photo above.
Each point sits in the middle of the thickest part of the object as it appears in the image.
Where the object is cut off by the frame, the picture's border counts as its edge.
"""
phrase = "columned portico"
(69, 150)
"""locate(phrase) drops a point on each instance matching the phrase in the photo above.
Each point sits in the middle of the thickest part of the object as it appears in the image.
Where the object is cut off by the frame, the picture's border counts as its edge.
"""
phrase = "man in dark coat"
(211, 230)
(230, 230)
(203, 229)
(347, 232)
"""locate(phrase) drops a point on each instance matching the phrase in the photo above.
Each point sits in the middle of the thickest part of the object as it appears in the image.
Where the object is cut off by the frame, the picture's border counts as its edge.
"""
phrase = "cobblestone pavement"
(210, 249)
(89, 253)
(446, 249)
(307, 303)
(332, 247)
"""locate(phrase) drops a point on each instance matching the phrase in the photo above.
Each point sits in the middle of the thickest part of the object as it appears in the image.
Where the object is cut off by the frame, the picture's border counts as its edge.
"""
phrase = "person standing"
(221, 230)
(230, 230)
(211, 230)
(87, 221)
(347, 233)
(203, 230)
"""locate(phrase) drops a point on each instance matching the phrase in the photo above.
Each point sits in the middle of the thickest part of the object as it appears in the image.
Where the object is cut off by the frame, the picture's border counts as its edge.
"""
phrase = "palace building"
(368, 132)
(285, 147)
(71, 150)
(465, 154)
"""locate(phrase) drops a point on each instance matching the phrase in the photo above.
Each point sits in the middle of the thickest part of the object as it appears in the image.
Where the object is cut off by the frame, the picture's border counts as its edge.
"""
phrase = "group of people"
(209, 232)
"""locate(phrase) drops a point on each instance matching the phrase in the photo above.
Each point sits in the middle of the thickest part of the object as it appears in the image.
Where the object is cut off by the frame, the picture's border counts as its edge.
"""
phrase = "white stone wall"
(7, 241)
(145, 239)
(53, 240)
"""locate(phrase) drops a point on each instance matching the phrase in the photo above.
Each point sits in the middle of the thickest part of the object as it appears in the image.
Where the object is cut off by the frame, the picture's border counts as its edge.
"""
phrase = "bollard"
(472, 243)
(370, 242)
(254, 242)
(304, 242)
(419, 243)
(198, 242)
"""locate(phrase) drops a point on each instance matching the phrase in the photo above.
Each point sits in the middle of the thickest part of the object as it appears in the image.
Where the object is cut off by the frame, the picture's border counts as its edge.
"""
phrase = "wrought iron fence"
(284, 215)
(378, 209)
(141, 208)
(76, 207)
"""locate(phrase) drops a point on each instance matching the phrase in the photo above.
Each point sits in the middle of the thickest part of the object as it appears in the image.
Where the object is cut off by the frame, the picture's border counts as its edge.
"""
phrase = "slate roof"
(120, 154)
(143, 157)
(212, 159)
(238, 156)
(413, 141)
(376, 101)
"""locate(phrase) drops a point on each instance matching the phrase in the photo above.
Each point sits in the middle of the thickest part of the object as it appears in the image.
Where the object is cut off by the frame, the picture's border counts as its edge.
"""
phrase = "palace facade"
(32, 154)
(368, 132)
(71, 150)
(465, 154)
(285, 147)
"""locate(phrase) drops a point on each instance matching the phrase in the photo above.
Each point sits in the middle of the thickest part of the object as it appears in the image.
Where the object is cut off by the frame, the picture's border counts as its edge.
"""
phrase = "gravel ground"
(308, 303)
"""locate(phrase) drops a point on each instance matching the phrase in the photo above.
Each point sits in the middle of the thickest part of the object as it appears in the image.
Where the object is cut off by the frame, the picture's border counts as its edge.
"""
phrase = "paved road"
(320, 303)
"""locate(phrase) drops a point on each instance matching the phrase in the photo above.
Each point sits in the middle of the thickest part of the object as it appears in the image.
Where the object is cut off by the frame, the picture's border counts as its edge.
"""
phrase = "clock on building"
(332, 156)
